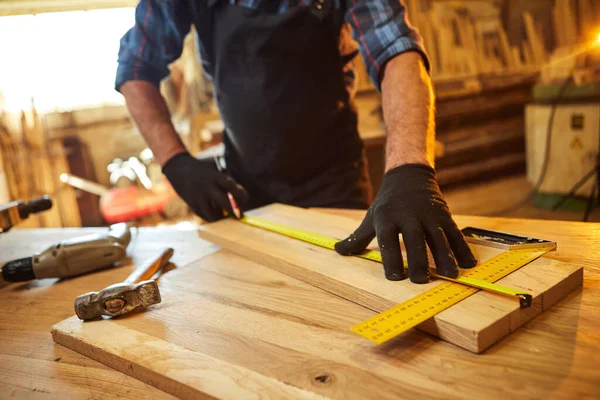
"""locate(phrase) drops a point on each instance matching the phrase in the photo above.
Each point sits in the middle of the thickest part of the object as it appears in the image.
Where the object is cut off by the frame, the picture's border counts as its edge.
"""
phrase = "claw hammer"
(138, 290)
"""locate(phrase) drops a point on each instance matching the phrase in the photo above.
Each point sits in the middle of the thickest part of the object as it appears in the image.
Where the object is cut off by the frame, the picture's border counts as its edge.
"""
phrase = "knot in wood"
(323, 378)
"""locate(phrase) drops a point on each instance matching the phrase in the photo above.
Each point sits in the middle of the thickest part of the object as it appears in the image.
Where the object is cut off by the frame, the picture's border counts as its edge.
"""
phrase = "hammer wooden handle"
(148, 269)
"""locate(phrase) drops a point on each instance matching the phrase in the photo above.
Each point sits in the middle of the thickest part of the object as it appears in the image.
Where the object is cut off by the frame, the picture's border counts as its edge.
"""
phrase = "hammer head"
(117, 300)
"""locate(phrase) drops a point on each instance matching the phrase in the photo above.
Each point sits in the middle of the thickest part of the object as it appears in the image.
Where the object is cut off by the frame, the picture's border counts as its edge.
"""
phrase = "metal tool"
(118, 299)
(84, 184)
(16, 211)
(503, 240)
(373, 255)
(71, 257)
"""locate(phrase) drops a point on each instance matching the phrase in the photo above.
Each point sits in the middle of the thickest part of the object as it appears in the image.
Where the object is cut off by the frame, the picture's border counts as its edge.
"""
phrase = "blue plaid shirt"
(380, 28)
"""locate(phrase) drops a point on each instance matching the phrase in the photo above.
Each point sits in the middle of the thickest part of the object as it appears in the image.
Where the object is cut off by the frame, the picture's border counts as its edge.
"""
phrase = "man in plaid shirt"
(283, 82)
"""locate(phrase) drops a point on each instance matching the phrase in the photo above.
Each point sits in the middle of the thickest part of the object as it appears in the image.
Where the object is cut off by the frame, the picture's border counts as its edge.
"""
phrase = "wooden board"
(474, 324)
(252, 316)
(174, 369)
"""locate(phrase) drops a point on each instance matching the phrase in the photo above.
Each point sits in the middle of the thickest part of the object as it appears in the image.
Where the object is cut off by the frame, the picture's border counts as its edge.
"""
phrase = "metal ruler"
(416, 310)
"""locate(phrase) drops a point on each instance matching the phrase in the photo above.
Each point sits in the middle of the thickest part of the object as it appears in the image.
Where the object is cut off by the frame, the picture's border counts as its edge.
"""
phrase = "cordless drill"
(71, 257)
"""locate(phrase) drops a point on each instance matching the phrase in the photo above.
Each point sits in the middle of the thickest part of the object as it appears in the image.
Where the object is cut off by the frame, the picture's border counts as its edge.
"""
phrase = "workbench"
(555, 355)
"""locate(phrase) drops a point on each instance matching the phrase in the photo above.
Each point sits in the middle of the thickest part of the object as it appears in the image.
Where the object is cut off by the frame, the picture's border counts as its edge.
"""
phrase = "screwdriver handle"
(34, 206)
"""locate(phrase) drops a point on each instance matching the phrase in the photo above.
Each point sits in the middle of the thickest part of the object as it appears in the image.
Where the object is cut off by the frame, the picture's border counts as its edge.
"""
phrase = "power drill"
(71, 257)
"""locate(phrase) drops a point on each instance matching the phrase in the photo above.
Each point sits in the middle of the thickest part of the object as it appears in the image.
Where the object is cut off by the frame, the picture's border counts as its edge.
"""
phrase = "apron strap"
(339, 13)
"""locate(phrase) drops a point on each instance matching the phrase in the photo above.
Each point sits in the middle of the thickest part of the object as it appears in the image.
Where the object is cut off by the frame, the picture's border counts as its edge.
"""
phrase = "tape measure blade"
(398, 319)
(299, 234)
(414, 311)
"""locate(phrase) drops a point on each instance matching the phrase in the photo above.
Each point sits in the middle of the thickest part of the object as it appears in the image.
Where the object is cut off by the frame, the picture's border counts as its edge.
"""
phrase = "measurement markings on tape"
(416, 310)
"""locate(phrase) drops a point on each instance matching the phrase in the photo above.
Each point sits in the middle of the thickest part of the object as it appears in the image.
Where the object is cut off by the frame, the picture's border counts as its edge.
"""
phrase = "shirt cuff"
(401, 45)
(126, 72)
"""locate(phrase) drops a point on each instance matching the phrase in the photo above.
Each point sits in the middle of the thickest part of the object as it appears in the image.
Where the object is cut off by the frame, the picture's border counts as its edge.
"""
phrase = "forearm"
(408, 112)
(151, 115)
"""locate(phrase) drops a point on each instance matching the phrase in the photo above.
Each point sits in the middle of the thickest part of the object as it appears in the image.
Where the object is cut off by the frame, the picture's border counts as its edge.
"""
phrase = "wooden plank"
(171, 368)
(25, 7)
(506, 49)
(570, 22)
(430, 39)
(362, 281)
(535, 43)
(65, 195)
(254, 317)
(559, 33)
(31, 364)
(516, 54)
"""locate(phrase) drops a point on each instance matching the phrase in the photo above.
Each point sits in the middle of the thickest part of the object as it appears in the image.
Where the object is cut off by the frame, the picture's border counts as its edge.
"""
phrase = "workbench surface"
(559, 350)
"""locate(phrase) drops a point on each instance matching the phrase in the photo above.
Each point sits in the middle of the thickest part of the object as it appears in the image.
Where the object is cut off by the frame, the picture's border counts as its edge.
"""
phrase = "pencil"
(232, 202)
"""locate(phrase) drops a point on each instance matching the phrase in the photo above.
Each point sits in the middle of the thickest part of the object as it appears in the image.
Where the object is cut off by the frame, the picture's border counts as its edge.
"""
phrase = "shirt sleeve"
(382, 31)
(155, 41)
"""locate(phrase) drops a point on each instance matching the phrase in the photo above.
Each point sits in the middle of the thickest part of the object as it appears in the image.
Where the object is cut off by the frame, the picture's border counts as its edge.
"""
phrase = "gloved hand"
(202, 186)
(410, 202)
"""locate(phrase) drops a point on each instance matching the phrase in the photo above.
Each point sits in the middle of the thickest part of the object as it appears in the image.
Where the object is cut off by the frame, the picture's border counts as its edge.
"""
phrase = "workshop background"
(518, 111)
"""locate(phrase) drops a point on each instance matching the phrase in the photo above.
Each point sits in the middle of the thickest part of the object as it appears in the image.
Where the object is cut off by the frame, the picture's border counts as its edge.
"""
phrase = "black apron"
(290, 128)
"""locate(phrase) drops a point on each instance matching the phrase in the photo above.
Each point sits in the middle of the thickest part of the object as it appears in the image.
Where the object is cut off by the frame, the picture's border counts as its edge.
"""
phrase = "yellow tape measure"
(412, 312)
(416, 310)
(329, 243)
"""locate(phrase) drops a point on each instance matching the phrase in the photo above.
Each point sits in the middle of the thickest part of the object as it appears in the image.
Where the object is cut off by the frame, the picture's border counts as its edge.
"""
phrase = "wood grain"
(250, 315)
(171, 368)
(475, 323)
(31, 365)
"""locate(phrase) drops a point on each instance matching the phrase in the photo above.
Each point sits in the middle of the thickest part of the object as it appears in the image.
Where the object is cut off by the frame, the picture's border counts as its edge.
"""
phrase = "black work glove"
(410, 202)
(202, 186)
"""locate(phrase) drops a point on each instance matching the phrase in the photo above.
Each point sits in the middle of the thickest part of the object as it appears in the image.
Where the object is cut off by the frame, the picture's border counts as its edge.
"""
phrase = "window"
(63, 60)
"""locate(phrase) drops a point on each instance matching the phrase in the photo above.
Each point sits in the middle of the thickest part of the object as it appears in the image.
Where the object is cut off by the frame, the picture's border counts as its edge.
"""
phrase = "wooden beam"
(23, 7)
(177, 370)
(474, 324)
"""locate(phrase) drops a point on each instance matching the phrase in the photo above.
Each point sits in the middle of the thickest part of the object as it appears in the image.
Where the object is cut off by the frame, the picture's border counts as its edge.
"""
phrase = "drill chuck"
(18, 270)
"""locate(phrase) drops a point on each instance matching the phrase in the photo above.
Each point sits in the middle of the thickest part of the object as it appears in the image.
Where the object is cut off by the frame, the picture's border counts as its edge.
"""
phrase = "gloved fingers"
(220, 201)
(459, 245)
(359, 240)
(389, 245)
(230, 185)
(416, 251)
(445, 261)
(204, 207)
(206, 211)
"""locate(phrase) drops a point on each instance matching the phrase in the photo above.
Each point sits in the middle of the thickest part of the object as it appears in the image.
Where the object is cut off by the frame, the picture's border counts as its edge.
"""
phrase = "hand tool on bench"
(16, 211)
(138, 290)
(234, 205)
(71, 257)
